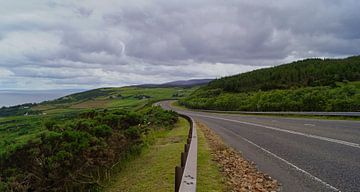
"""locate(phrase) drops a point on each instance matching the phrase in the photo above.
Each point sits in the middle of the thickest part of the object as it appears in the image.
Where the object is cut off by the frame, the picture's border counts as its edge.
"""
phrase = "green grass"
(126, 103)
(154, 169)
(209, 177)
(123, 97)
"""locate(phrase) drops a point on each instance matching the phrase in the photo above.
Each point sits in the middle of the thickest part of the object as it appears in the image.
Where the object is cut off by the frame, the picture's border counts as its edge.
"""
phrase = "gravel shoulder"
(240, 174)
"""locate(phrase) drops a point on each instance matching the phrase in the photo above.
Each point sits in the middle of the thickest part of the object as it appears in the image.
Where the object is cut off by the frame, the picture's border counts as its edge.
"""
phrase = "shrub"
(66, 156)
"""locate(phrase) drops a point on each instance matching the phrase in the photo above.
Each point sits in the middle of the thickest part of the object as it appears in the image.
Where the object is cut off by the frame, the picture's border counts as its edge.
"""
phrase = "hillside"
(183, 83)
(304, 73)
(307, 85)
(113, 97)
(21, 123)
(73, 143)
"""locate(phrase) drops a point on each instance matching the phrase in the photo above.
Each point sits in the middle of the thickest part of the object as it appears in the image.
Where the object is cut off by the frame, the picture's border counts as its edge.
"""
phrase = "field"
(124, 97)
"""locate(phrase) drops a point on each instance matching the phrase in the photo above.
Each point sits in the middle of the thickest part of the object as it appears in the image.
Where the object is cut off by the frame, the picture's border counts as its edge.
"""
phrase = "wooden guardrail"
(185, 174)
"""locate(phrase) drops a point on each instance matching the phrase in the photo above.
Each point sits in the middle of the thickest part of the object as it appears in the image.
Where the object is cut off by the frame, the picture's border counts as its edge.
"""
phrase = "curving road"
(303, 154)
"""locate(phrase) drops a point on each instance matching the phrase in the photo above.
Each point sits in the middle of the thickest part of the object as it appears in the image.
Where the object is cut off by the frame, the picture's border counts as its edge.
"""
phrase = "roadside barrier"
(185, 174)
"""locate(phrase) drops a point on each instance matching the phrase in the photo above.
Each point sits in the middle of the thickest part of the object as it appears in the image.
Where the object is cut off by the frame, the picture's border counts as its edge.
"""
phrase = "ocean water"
(16, 97)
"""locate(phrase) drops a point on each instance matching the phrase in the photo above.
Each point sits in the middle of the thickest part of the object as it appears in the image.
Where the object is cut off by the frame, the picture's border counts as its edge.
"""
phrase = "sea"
(16, 97)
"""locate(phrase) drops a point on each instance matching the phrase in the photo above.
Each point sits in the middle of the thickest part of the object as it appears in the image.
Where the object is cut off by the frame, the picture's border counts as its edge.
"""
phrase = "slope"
(307, 85)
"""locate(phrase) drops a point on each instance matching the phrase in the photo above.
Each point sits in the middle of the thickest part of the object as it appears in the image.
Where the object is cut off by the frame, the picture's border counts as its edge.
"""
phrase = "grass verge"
(154, 169)
(209, 177)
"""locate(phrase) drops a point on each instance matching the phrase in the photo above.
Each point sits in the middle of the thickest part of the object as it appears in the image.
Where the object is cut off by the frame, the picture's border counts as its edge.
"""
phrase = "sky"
(90, 43)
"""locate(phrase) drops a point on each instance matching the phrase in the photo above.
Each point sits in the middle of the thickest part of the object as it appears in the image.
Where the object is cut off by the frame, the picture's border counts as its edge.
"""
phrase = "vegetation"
(309, 72)
(131, 98)
(209, 176)
(60, 145)
(308, 85)
(77, 154)
(345, 97)
(24, 109)
(154, 169)
(16, 131)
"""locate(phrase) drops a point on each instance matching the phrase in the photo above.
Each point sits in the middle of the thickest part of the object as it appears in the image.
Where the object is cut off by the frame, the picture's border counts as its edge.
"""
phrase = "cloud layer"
(63, 44)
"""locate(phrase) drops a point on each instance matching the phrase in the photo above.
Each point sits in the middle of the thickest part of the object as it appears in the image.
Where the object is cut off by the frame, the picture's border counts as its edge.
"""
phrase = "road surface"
(312, 113)
(302, 154)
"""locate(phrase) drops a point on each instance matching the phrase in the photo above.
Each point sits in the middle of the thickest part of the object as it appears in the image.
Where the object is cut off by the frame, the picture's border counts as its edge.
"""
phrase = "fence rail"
(185, 174)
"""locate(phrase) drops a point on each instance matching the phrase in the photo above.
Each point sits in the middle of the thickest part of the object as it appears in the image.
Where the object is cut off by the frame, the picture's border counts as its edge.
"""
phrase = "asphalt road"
(313, 113)
(303, 154)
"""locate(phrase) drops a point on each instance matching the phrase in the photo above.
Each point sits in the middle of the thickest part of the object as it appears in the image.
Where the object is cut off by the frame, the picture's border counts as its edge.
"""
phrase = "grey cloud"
(203, 33)
(235, 31)
(95, 43)
(82, 11)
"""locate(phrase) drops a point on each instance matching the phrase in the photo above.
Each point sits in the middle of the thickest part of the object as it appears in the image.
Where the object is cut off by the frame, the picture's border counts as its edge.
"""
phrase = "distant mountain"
(183, 83)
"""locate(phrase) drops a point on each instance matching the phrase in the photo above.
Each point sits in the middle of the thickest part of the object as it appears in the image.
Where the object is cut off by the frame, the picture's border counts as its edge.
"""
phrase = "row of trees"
(77, 154)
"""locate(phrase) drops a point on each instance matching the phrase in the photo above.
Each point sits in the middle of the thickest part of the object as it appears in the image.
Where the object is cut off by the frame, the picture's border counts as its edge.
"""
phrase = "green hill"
(308, 72)
(72, 143)
(19, 124)
(307, 85)
(131, 97)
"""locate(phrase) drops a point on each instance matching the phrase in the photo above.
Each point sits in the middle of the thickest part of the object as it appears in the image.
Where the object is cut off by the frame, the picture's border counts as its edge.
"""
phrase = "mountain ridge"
(179, 83)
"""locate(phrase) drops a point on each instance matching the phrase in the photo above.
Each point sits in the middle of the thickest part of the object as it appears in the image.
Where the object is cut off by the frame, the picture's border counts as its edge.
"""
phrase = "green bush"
(67, 155)
(344, 97)
(101, 131)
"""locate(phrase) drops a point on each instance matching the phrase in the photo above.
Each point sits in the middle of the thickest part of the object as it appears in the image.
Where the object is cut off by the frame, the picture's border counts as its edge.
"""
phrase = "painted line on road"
(286, 162)
(311, 125)
(287, 131)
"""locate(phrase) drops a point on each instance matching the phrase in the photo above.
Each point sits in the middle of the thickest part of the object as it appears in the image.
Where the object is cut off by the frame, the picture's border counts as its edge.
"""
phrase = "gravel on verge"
(241, 175)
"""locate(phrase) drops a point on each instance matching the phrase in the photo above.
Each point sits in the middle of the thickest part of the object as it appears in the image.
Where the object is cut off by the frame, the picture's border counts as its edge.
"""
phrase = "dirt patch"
(241, 175)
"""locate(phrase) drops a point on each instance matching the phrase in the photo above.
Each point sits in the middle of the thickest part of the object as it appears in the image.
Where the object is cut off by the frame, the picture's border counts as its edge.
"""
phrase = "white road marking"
(287, 131)
(311, 125)
(286, 162)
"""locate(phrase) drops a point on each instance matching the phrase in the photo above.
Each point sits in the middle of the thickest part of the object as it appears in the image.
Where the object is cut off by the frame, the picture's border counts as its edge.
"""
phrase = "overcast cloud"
(87, 44)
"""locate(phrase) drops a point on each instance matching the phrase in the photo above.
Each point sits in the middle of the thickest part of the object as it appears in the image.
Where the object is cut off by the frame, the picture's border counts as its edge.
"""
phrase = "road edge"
(240, 174)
